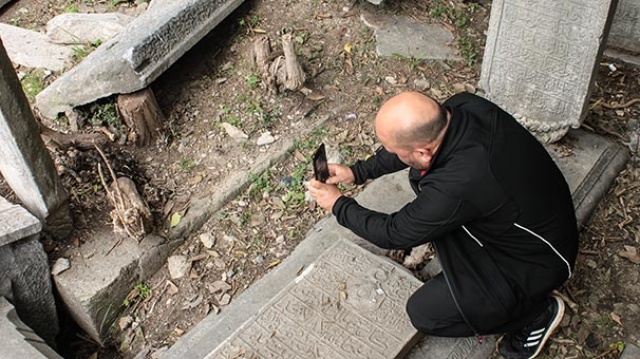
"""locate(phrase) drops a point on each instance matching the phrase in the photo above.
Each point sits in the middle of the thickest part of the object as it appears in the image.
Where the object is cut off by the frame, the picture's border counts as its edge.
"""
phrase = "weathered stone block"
(101, 276)
(26, 164)
(25, 281)
(33, 49)
(76, 28)
(625, 29)
(347, 304)
(131, 61)
(17, 340)
(540, 60)
(428, 41)
(16, 223)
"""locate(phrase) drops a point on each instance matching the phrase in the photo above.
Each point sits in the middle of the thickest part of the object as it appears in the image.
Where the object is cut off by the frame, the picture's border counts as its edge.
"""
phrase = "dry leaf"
(226, 298)
(175, 219)
(172, 289)
(198, 257)
(314, 96)
(347, 48)
(631, 253)
(259, 31)
(616, 318)
(273, 263)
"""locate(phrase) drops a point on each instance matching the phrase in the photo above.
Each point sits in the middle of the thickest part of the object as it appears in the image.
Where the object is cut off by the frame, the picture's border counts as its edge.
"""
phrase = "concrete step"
(589, 163)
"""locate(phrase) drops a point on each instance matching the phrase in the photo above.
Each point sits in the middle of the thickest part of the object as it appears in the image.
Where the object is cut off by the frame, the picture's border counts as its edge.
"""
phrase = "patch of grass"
(80, 51)
(105, 114)
(253, 81)
(468, 49)
(457, 16)
(32, 84)
(261, 184)
(187, 164)
(140, 292)
(72, 9)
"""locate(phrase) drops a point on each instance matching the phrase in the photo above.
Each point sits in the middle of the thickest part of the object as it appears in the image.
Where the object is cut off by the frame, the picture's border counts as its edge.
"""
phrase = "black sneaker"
(528, 342)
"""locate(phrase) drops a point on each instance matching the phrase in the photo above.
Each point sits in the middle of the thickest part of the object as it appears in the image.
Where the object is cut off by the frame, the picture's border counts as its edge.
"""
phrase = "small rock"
(74, 28)
(259, 259)
(230, 273)
(234, 132)
(226, 298)
(459, 87)
(218, 287)
(179, 266)
(229, 239)
(390, 79)
(208, 241)
(421, 84)
(286, 181)
(61, 265)
(470, 88)
(124, 322)
(265, 139)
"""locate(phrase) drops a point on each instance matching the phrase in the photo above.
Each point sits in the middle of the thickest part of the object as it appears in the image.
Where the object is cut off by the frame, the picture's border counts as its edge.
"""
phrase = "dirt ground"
(216, 83)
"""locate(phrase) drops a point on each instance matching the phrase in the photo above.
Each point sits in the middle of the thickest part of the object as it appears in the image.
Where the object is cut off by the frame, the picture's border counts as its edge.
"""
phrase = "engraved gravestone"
(349, 304)
(625, 29)
(540, 60)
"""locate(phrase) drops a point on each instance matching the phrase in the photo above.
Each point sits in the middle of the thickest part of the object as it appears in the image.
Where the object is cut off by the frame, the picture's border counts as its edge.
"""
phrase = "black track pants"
(433, 311)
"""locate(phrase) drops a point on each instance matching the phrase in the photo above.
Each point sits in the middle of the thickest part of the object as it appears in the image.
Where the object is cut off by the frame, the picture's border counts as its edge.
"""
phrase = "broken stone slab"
(453, 348)
(349, 303)
(17, 340)
(94, 299)
(625, 28)
(76, 28)
(631, 351)
(546, 81)
(16, 223)
(33, 49)
(131, 61)
(589, 168)
(398, 35)
(26, 282)
(26, 164)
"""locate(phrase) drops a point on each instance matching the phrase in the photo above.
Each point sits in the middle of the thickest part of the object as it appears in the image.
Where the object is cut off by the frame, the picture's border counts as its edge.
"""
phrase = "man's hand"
(325, 195)
(340, 174)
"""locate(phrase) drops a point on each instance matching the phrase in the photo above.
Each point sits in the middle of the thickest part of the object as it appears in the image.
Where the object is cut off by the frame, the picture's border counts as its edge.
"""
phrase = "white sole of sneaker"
(552, 327)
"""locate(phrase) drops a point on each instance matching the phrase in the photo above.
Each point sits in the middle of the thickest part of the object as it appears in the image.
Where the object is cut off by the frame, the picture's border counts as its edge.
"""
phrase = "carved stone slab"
(16, 223)
(625, 29)
(540, 59)
(348, 304)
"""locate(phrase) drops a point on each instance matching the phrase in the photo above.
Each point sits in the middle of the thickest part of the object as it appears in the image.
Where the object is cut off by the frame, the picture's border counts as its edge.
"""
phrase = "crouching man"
(493, 203)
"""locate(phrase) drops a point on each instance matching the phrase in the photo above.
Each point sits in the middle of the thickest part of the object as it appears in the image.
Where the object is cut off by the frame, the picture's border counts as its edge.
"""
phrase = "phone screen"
(320, 166)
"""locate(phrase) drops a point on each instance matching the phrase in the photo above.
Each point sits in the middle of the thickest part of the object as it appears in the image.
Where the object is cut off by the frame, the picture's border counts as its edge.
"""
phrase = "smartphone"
(320, 166)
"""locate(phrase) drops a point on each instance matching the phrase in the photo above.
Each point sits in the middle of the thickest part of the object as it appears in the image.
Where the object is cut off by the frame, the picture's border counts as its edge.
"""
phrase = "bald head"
(410, 119)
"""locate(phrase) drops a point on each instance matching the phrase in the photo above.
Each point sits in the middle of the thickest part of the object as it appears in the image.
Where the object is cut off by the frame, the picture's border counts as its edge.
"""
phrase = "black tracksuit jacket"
(494, 204)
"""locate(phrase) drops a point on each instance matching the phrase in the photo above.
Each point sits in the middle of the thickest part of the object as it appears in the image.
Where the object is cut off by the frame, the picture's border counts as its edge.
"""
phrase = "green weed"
(187, 164)
(32, 84)
(468, 49)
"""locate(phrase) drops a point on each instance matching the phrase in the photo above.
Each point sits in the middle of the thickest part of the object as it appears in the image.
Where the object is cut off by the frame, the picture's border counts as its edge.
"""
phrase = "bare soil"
(215, 82)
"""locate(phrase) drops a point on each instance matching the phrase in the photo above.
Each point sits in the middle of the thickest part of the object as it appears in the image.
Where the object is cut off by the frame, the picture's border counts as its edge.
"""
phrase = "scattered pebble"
(265, 139)
(61, 265)
(208, 240)
(178, 266)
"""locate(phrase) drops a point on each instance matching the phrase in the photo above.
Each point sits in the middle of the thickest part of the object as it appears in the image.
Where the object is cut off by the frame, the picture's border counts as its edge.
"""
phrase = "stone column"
(541, 59)
(625, 29)
(24, 161)
(25, 279)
